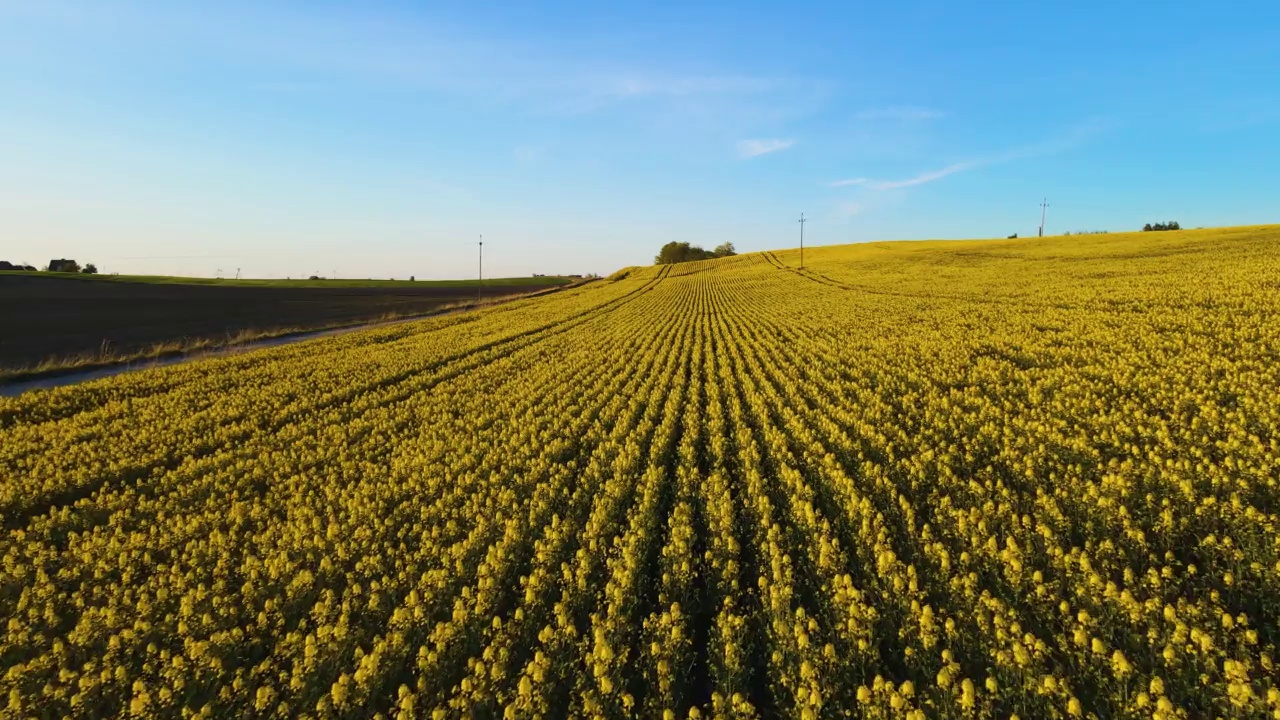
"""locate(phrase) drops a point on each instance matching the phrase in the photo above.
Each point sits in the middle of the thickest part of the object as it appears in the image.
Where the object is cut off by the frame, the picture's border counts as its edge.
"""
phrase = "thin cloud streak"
(399, 53)
(850, 181)
(1075, 137)
(848, 209)
(900, 113)
(926, 177)
(763, 146)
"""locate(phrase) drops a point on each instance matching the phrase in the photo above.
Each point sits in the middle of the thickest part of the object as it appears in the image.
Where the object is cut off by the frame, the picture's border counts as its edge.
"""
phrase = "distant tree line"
(71, 266)
(1171, 225)
(678, 252)
(58, 265)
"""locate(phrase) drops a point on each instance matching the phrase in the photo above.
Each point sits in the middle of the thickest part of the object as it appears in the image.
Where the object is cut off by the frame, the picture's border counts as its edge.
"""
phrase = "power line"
(480, 279)
(178, 257)
(1044, 204)
(802, 222)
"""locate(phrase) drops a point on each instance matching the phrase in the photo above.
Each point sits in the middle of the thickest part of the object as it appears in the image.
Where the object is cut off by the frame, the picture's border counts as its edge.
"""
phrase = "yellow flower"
(1156, 686)
(967, 694)
(1020, 655)
(1120, 664)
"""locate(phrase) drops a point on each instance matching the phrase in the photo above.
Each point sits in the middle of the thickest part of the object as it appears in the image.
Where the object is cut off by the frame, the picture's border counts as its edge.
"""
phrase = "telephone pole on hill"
(480, 276)
(802, 222)
(1043, 205)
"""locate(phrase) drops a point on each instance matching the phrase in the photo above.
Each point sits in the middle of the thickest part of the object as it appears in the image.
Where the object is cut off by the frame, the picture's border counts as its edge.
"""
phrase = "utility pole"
(237, 273)
(802, 222)
(480, 282)
(1044, 204)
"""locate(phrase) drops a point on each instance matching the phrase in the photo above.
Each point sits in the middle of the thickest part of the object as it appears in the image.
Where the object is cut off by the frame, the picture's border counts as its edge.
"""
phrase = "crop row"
(729, 489)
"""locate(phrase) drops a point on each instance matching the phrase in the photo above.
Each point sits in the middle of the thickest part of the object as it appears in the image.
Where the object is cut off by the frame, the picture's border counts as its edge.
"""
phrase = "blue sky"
(381, 138)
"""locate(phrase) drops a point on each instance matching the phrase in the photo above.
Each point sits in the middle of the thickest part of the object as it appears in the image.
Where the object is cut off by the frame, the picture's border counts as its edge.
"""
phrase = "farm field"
(329, 283)
(73, 320)
(1032, 478)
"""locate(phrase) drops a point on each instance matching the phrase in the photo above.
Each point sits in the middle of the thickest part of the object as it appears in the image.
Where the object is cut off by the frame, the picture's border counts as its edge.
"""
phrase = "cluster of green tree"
(678, 252)
(61, 265)
(1171, 225)
(71, 266)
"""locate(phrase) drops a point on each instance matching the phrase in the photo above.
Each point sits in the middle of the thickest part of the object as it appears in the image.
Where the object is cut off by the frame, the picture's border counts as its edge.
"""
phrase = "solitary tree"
(678, 252)
(90, 269)
(672, 252)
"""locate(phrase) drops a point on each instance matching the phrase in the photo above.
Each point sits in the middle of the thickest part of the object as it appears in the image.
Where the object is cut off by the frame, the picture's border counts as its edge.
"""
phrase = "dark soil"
(47, 318)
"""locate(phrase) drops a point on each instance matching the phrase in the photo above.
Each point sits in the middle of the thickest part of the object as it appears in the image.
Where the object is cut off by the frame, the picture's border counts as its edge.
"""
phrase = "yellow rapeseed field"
(1031, 478)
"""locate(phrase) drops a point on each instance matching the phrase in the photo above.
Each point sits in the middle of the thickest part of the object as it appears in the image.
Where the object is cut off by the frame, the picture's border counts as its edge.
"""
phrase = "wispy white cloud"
(901, 113)
(848, 209)
(525, 154)
(1073, 138)
(625, 84)
(927, 177)
(324, 50)
(762, 146)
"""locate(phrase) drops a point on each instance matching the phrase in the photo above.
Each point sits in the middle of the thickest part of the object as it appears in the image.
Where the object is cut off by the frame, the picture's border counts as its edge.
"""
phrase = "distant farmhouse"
(64, 266)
